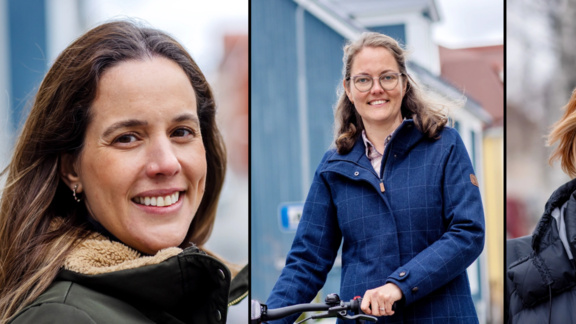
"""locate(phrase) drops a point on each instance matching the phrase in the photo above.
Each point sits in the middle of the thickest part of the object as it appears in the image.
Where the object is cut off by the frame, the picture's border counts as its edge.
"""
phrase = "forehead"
(373, 59)
(150, 88)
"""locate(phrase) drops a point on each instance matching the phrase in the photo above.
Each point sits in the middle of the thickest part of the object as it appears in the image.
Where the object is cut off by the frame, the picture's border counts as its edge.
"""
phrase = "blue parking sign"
(290, 214)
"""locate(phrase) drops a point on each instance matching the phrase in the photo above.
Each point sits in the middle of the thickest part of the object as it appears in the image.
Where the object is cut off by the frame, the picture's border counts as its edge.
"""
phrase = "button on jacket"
(418, 224)
(108, 282)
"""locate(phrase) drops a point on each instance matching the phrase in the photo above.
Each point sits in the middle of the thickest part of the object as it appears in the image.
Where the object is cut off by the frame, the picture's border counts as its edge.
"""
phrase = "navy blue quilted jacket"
(419, 224)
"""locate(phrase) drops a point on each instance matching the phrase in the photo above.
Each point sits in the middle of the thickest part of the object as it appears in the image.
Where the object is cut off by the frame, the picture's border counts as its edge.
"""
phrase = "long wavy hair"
(39, 220)
(429, 117)
(564, 132)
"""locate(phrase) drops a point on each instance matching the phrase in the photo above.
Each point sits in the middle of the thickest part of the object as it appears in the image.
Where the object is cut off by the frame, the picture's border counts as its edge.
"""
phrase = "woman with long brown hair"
(398, 191)
(113, 188)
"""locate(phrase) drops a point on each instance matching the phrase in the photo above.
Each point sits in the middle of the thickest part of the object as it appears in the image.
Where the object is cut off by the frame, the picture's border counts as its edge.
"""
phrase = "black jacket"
(541, 279)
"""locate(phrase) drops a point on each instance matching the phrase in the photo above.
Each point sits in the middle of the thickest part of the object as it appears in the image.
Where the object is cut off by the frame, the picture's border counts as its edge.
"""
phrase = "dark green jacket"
(190, 287)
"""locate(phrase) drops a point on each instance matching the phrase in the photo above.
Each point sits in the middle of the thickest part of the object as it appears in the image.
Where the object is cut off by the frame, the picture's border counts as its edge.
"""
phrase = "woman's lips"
(378, 102)
(161, 206)
(160, 200)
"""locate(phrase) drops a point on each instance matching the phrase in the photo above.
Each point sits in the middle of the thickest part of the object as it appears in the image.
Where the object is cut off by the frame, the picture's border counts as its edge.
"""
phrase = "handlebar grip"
(358, 301)
(279, 313)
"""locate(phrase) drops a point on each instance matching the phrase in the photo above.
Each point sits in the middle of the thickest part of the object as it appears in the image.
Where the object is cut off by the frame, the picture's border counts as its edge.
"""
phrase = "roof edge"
(344, 26)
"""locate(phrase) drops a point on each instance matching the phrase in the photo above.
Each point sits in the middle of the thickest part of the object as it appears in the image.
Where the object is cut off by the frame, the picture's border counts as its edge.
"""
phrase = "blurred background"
(541, 54)
(456, 49)
(34, 32)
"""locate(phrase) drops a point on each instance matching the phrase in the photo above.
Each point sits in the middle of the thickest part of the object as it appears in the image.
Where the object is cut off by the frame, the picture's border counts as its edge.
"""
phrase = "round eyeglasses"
(388, 81)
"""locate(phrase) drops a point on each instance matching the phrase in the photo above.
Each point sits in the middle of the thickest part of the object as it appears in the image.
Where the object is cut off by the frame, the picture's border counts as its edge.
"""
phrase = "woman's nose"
(162, 159)
(376, 86)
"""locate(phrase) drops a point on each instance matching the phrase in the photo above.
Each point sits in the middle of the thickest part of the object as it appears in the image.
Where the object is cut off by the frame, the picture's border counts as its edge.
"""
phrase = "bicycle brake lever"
(316, 316)
(360, 317)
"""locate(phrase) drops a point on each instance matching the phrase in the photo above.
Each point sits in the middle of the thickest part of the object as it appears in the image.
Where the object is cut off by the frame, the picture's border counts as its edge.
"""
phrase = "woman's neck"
(377, 133)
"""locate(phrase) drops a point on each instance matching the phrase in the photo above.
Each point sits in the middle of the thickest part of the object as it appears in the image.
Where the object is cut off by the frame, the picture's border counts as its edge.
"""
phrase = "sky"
(463, 23)
(470, 23)
(197, 24)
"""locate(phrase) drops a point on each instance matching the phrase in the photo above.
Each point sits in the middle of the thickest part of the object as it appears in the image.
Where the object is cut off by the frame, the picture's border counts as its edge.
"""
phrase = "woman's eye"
(182, 132)
(126, 139)
(362, 80)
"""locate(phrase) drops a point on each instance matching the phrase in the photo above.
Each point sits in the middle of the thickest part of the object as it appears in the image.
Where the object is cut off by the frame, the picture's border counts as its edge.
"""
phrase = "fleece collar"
(173, 286)
(99, 255)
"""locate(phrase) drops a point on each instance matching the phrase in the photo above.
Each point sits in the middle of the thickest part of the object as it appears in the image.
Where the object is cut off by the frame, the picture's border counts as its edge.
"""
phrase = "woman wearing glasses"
(398, 191)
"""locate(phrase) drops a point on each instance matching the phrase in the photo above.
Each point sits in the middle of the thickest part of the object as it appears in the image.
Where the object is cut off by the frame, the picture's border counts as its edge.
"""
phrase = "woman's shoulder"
(517, 248)
(328, 154)
(69, 302)
(449, 134)
(448, 141)
(51, 306)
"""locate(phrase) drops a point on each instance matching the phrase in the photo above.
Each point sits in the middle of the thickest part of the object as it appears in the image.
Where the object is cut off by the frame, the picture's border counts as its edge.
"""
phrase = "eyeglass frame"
(398, 74)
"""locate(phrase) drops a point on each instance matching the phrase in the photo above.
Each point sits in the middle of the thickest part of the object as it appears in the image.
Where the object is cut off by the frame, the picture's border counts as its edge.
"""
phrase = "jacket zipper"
(387, 153)
(238, 300)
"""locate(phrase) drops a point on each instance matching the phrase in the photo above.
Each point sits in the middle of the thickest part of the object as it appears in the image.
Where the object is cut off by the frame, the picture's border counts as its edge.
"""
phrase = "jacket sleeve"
(515, 249)
(463, 239)
(313, 250)
(50, 313)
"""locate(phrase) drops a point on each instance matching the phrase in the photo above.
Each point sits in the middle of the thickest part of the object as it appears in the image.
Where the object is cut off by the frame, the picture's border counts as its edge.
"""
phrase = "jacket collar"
(560, 196)
(404, 138)
(173, 285)
(564, 194)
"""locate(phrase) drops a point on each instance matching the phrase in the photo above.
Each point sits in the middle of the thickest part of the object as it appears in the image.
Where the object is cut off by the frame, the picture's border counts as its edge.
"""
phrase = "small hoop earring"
(74, 194)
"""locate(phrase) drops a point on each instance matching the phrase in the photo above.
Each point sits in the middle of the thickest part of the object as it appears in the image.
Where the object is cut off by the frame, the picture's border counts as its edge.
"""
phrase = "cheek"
(105, 173)
(195, 166)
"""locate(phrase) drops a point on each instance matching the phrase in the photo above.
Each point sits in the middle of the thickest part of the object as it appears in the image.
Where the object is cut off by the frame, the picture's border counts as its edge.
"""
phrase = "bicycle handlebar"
(333, 305)
(273, 314)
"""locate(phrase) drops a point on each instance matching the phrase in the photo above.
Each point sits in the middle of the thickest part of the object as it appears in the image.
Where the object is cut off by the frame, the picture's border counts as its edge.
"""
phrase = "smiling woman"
(398, 191)
(151, 148)
(113, 187)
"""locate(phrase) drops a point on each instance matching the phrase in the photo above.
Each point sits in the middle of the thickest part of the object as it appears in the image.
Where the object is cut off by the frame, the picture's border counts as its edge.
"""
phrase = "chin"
(152, 249)
(157, 241)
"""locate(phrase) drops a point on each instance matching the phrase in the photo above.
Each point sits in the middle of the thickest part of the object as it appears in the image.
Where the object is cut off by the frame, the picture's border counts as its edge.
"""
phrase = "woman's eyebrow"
(139, 123)
(124, 124)
(186, 117)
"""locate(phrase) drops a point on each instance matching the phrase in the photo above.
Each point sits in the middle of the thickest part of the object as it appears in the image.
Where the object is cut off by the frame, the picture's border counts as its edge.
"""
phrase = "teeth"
(378, 102)
(160, 201)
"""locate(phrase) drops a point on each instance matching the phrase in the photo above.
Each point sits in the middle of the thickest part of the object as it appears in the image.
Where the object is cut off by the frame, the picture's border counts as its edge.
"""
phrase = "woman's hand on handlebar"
(379, 301)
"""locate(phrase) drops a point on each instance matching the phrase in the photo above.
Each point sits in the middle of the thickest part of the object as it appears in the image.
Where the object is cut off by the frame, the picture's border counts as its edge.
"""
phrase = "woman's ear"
(406, 85)
(68, 172)
(347, 91)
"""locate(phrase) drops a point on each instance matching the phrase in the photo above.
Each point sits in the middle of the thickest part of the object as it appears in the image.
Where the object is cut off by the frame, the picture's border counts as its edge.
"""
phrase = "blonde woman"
(541, 281)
